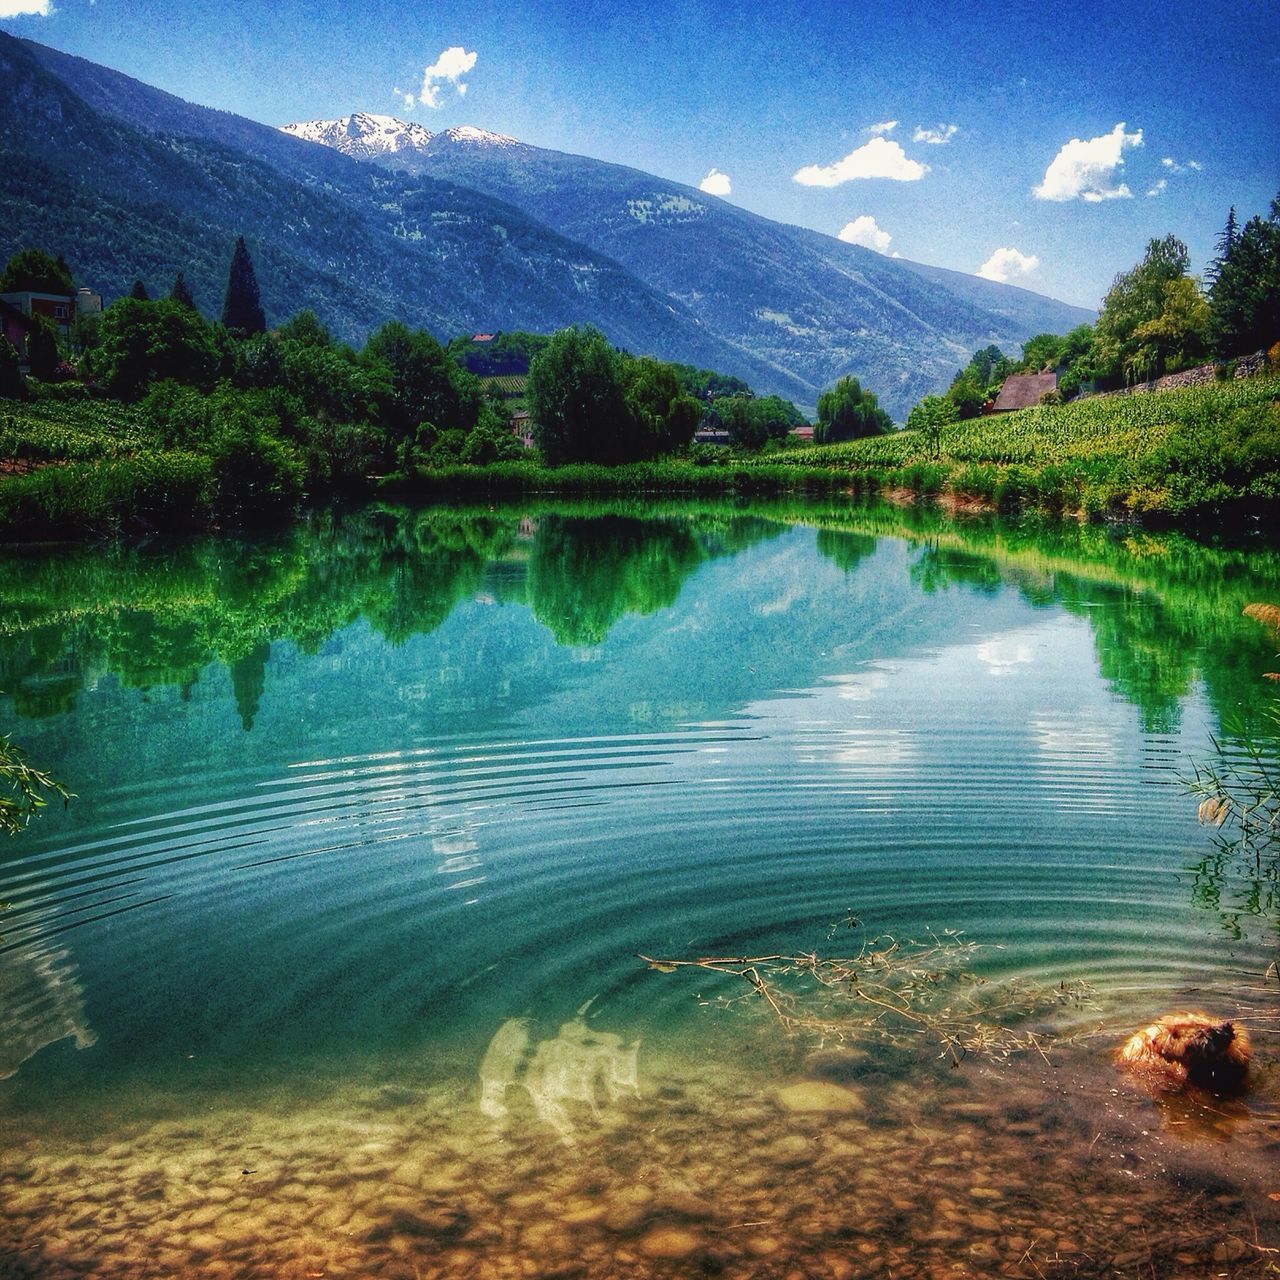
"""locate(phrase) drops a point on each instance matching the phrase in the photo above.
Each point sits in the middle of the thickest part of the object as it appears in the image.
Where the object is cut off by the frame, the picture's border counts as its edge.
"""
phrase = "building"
(522, 427)
(60, 308)
(1024, 391)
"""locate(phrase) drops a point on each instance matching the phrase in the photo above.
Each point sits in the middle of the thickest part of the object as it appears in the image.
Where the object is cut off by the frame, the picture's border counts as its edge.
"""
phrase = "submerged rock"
(820, 1095)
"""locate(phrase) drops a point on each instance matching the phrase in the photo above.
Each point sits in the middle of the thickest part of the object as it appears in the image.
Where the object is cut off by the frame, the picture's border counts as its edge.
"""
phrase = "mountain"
(464, 230)
(127, 181)
(805, 302)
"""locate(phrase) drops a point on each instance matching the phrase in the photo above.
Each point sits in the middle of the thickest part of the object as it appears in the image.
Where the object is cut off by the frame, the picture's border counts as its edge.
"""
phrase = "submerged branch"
(895, 992)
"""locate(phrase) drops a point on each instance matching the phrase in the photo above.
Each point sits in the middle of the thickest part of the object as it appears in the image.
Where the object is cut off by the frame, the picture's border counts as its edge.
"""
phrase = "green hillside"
(1172, 453)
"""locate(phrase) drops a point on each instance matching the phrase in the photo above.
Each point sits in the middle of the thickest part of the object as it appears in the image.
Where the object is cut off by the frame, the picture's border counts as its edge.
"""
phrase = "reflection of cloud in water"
(1002, 655)
(875, 747)
(1074, 744)
(457, 857)
(781, 604)
(858, 686)
(1080, 757)
(569, 1079)
(41, 1002)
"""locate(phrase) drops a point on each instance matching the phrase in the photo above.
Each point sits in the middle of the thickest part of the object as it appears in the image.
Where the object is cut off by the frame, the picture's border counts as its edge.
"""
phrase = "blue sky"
(1040, 144)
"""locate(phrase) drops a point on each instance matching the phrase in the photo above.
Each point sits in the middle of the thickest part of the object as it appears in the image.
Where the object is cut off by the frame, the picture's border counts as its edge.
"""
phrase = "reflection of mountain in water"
(41, 1000)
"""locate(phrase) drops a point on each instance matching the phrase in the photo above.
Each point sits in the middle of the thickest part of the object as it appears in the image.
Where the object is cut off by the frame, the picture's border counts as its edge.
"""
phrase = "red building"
(60, 308)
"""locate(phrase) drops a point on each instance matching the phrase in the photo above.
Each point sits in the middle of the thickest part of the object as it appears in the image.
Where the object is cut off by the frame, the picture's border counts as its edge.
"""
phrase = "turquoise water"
(373, 818)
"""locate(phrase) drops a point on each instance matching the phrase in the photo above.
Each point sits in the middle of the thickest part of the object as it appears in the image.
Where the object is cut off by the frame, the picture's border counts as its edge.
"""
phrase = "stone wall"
(1246, 367)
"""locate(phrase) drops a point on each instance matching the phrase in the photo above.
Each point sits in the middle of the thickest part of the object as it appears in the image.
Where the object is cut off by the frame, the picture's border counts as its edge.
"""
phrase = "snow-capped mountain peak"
(467, 133)
(367, 136)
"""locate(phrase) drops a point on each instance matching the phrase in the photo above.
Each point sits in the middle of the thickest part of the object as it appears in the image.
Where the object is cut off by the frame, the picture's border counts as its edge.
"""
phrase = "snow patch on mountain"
(367, 136)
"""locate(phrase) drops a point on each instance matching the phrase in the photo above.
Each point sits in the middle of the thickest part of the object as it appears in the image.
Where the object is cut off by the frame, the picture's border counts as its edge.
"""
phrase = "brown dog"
(1189, 1049)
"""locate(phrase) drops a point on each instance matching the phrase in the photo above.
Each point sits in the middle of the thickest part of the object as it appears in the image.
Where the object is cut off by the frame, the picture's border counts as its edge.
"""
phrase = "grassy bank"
(69, 467)
(1173, 456)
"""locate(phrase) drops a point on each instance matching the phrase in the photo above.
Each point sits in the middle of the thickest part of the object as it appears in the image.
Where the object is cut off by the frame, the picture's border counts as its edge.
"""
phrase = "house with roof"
(1024, 391)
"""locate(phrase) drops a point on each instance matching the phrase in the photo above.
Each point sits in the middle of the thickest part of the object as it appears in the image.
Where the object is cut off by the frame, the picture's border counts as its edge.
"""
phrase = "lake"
(332, 967)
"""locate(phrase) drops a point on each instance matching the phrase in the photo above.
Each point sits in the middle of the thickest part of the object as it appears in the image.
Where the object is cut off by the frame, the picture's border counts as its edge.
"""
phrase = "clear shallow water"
(355, 802)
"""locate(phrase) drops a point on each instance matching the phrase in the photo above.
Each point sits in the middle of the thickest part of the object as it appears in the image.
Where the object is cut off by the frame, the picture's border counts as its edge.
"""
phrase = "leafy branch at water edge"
(24, 790)
(896, 992)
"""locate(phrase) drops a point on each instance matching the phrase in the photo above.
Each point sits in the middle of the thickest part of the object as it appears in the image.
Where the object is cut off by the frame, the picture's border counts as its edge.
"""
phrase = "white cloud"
(878, 130)
(1192, 166)
(448, 68)
(878, 158)
(1087, 170)
(716, 184)
(935, 137)
(1158, 189)
(1004, 264)
(864, 231)
(16, 8)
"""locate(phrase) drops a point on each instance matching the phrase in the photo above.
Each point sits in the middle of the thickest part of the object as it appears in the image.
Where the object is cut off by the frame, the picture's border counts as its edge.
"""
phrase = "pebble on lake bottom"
(969, 1173)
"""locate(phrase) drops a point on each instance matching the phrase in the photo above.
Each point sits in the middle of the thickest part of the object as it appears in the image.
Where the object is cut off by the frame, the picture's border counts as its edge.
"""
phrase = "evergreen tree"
(1244, 298)
(139, 292)
(241, 310)
(181, 294)
(1226, 243)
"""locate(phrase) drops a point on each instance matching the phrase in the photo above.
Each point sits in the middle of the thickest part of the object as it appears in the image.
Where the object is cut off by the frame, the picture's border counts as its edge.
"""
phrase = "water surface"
(331, 967)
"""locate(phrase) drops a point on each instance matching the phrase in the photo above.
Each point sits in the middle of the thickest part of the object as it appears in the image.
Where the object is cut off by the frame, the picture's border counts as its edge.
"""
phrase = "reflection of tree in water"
(426, 566)
(584, 574)
(248, 680)
(1165, 612)
(162, 616)
(938, 567)
(845, 550)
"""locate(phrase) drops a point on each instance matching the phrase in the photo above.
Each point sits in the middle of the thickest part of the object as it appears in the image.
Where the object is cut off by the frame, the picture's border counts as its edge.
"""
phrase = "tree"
(12, 386)
(34, 271)
(967, 397)
(575, 396)
(752, 423)
(1041, 352)
(241, 310)
(138, 292)
(1176, 338)
(664, 416)
(421, 384)
(1139, 298)
(847, 412)
(305, 329)
(1244, 297)
(1226, 243)
(181, 294)
(144, 342)
(42, 349)
(930, 418)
